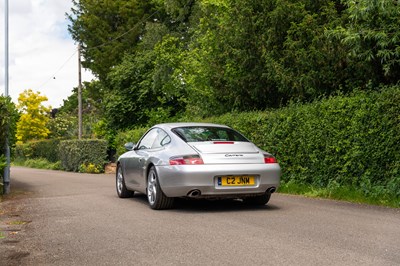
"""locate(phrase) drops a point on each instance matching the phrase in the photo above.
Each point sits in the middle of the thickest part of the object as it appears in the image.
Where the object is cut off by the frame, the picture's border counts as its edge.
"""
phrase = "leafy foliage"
(128, 99)
(75, 153)
(34, 116)
(9, 116)
(45, 149)
(373, 38)
(91, 168)
(351, 141)
(188, 57)
(107, 29)
(39, 163)
(63, 126)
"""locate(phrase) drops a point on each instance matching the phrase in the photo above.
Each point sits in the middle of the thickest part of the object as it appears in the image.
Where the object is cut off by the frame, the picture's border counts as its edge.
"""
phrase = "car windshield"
(205, 133)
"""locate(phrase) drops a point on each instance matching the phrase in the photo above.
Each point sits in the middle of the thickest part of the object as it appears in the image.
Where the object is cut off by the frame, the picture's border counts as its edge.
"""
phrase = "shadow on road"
(202, 205)
(18, 190)
(20, 186)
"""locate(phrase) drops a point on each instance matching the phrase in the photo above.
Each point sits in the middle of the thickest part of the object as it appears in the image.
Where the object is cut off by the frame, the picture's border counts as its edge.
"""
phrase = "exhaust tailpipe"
(271, 190)
(194, 193)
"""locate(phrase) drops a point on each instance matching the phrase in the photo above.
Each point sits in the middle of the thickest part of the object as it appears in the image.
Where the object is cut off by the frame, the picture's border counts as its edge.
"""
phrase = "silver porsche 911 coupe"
(196, 160)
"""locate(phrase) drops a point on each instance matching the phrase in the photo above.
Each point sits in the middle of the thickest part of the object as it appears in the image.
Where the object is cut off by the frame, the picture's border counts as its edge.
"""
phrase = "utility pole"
(6, 176)
(79, 93)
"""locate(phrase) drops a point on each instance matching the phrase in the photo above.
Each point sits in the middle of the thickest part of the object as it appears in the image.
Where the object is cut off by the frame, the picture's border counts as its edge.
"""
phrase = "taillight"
(269, 159)
(182, 160)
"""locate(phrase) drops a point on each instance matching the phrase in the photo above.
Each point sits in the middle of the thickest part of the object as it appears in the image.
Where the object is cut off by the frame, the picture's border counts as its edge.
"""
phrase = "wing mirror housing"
(129, 146)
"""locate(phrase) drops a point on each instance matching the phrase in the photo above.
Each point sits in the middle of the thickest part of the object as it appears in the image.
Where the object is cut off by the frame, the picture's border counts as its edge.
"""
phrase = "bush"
(351, 141)
(91, 168)
(8, 122)
(47, 149)
(75, 153)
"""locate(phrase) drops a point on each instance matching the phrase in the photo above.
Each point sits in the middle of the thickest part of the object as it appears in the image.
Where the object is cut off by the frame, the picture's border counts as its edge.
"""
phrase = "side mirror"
(129, 146)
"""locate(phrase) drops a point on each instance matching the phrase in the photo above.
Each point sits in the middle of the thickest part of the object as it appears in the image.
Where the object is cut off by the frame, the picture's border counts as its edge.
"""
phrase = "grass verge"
(40, 163)
(344, 193)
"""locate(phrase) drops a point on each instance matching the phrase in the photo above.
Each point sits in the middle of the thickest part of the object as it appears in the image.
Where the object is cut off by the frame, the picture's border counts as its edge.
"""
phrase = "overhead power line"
(104, 43)
(131, 29)
(97, 46)
(58, 70)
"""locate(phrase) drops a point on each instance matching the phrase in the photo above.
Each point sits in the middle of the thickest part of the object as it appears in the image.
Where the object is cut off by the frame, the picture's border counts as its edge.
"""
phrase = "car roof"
(187, 124)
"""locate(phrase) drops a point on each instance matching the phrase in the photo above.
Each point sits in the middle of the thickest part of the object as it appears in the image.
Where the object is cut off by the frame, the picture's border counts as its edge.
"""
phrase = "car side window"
(155, 138)
(148, 140)
(162, 139)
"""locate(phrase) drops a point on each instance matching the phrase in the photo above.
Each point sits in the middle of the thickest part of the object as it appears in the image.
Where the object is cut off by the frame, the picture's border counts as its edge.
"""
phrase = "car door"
(136, 161)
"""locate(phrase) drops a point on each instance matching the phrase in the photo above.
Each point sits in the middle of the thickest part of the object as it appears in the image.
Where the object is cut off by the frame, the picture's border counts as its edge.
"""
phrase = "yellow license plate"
(244, 180)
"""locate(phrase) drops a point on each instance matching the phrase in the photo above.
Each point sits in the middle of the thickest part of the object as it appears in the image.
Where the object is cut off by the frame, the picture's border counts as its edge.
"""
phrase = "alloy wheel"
(152, 188)
(120, 180)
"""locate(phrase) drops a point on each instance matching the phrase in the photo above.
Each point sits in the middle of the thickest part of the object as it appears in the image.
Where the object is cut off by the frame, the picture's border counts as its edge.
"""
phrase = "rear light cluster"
(269, 159)
(186, 160)
(196, 159)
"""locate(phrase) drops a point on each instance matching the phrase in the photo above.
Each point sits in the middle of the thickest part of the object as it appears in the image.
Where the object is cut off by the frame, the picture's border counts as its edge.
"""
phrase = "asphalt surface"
(59, 218)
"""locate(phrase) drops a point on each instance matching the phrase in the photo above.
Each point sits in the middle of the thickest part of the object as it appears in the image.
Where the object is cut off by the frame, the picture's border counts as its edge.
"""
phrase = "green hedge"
(79, 155)
(346, 141)
(343, 141)
(47, 149)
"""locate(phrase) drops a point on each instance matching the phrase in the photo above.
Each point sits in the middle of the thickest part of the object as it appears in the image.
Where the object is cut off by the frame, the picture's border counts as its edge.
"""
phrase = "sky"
(42, 55)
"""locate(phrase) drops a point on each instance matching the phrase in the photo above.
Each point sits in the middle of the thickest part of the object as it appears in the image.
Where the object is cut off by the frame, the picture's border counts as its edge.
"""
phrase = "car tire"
(155, 196)
(122, 191)
(258, 200)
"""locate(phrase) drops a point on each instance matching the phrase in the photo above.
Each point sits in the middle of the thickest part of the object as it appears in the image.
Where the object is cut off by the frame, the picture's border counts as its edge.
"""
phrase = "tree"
(32, 124)
(249, 55)
(147, 86)
(157, 59)
(64, 124)
(107, 30)
(310, 63)
(373, 37)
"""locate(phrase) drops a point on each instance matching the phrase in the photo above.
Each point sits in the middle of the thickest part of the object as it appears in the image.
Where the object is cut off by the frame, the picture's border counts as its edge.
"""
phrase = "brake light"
(269, 159)
(186, 160)
(224, 142)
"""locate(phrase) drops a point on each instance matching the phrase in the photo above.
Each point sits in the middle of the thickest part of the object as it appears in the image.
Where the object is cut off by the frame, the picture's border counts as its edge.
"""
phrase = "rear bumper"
(179, 180)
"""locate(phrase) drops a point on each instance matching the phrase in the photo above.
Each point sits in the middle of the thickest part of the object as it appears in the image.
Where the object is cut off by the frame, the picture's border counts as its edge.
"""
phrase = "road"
(59, 218)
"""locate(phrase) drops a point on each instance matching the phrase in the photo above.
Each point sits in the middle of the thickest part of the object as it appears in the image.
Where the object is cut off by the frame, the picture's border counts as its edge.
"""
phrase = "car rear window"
(198, 134)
